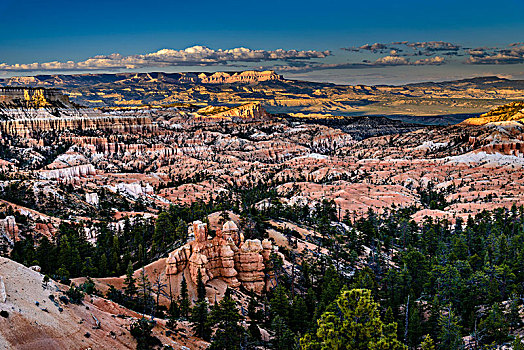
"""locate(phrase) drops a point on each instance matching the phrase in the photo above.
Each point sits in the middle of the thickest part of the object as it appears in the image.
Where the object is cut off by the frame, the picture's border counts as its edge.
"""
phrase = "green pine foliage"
(185, 304)
(355, 325)
(229, 333)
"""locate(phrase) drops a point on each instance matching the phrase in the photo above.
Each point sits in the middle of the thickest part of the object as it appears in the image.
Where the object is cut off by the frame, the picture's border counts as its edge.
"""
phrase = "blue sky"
(46, 31)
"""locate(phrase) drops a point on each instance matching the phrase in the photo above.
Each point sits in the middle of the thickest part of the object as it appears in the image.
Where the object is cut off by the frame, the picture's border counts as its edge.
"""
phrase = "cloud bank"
(386, 61)
(399, 53)
(192, 56)
(512, 55)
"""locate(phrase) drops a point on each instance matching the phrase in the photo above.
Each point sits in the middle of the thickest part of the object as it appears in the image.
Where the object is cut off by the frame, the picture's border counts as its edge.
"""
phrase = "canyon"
(428, 103)
(154, 154)
(254, 141)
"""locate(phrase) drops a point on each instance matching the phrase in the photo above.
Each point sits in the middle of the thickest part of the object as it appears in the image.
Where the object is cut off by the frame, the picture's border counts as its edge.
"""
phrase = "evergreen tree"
(141, 330)
(356, 325)
(427, 344)
(514, 320)
(449, 336)
(414, 329)
(130, 288)
(517, 344)
(185, 305)
(254, 331)
(145, 300)
(494, 327)
(434, 317)
(283, 337)
(165, 231)
(102, 265)
(226, 318)
(201, 287)
(279, 304)
(300, 318)
(173, 314)
(199, 319)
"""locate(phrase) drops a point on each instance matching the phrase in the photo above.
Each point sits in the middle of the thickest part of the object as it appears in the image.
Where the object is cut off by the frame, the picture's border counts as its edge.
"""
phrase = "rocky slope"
(36, 316)
(509, 112)
(25, 111)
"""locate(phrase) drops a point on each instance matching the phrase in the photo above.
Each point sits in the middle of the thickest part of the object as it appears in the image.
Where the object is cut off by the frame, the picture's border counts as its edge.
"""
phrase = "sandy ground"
(35, 322)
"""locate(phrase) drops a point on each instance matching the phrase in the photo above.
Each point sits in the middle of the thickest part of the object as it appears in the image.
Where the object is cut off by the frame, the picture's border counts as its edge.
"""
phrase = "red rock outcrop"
(24, 127)
(249, 76)
(9, 228)
(34, 96)
(226, 256)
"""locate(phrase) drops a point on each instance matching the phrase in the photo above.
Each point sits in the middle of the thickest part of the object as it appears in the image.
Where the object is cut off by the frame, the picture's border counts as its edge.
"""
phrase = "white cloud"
(196, 55)
(392, 61)
(430, 61)
(513, 55)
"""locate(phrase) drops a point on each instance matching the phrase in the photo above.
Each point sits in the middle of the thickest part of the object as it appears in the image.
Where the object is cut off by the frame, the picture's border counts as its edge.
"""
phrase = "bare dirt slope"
(29, 319)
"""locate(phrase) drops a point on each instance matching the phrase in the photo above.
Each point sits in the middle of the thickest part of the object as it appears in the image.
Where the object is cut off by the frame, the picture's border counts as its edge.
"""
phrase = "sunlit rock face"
(241, 77)
(226, 256)
(37, 97)
(9, 228)
(25, 111)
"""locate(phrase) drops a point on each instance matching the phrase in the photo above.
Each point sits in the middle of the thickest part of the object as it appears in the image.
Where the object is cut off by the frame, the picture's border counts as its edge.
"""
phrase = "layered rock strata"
(24, 127)
(226, 256)
(249, 76)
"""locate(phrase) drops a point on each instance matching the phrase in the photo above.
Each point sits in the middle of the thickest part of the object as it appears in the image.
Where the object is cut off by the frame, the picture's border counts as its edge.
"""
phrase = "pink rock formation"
(226, 256)
(24, 127)
(36, 96)
(69, 172)
(242, 77)
(247, 111)
(9, 228)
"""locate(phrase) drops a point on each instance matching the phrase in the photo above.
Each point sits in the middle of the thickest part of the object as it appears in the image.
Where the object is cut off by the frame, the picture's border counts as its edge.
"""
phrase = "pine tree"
(449, 336)
(414, 329)
(200, 321)
(517, 344)
(514, 319)
(254, 331)
(174, 310)
(427, 344)
(145, 292)
(279, 304)
(226, 318)
(173, 315)
(184, 298)
(115, 255)
(434, 316)
(300, 318)
(165, 231)
(224, 217)
(130, 288)
(494, 327)
(102, 265)
(356, 325)
(283, 337)
(201, 287)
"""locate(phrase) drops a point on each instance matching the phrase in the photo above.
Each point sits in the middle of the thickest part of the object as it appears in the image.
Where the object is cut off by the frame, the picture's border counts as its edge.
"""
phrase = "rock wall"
(247, 111)
(69, 172)
(226, 256)
(246, 77)
(33, 96)
(9, 229)
(25, 127)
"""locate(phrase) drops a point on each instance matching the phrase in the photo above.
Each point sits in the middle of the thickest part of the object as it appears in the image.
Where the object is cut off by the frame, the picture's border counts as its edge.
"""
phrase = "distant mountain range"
(447, 102)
